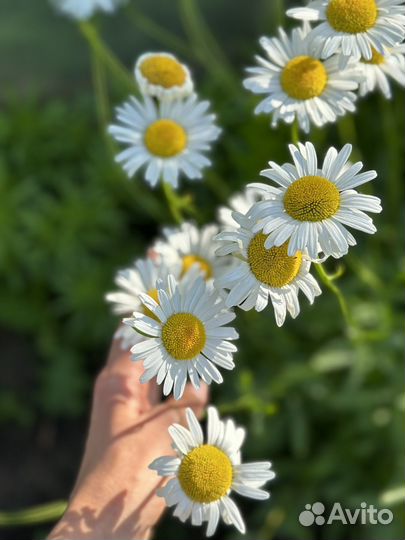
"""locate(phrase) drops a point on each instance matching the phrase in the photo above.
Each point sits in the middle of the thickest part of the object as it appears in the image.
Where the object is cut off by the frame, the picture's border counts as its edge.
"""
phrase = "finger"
(119, 362)
(174, 411)
(196, 399)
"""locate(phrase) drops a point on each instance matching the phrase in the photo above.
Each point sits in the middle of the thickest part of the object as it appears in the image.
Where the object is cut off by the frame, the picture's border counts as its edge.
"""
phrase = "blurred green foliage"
(324, 402)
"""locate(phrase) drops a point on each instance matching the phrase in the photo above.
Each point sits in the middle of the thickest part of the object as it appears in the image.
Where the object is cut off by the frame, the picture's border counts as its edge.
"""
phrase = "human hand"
(115, 492)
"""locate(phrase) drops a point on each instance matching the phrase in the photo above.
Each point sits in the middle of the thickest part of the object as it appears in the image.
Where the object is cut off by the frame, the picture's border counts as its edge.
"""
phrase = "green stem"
(206, 47)
(279, 9)
(172, 202)
(295, 132)
(36, 514)
(106, 56)
(329, 281)
(151, 28)
(393, 152)
(100, 87)
(347, 131)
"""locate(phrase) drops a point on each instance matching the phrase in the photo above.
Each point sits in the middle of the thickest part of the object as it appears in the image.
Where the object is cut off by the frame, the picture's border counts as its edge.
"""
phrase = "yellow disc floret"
(206, 474)
(272, 266)
(191, 260)
(376, 58)
(165, 138)
(312, 198)
(183, 336)
(163, 71)
(153, 294)
(352, 16)
(304, 77)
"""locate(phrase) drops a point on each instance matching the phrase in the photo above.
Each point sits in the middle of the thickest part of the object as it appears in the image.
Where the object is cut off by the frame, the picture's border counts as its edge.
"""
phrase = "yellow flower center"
(190, 260)
(183, 336)
(312, 198)
(304, 77)
(376, 58)
(352, 16)
(206, 474)
(153, 294)
(165, 138)
(163, 71)
(273, 266)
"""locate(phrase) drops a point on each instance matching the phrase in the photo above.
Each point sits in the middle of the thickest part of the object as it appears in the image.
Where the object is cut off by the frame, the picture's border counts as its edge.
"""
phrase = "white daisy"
(354, 27)
(381, 68)
(84, 9)
(187, 247)
(169, 137)
(241, 203)
(186, 336)
(206, 473)
(262, 274)
(312, 206)
(298, 84)
(131, 283)
(162, 76)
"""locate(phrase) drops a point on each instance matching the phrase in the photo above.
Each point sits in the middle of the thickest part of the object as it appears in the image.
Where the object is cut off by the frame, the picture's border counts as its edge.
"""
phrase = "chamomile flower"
(239, 202)
(298, 84)
(131, 282)
(381, 68)
(354, 27)
(185, 335)
(187, 246)
(169, 138)
(84, 9)
(313, 206)
(264, 274)
(207, 470)
(162, 76)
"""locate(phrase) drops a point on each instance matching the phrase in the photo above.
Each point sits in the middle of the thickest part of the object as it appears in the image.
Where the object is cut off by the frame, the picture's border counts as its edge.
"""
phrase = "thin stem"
(157, 32)
(279, 11)
(295, 132)
(347, 131)
(100, 87)
(35, 514)
(329, 281)
(393, 153)
(106, 56)
(205, 45)
(172, 202)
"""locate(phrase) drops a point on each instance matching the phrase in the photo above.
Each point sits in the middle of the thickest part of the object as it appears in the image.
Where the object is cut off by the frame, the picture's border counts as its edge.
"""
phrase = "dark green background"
(325, 405)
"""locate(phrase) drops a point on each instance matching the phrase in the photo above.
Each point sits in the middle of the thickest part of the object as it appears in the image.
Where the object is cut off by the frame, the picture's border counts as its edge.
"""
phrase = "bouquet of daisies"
(178, 302)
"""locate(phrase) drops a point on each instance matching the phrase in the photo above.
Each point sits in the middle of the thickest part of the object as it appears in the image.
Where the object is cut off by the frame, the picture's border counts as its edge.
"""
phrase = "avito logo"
(365, 515)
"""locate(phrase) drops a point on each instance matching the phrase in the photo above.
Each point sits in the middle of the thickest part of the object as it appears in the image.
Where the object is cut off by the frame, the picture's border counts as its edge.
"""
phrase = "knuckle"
(109, 386)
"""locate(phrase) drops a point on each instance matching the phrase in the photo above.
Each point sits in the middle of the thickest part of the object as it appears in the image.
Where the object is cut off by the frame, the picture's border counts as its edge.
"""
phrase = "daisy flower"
(239, 202)
(264, 274)
(131, 282)
(206, 473)
(381, 68)
(354, 27)
(162, 76)
(185, 336)
(84, 9)
(169, 138)
(298, 84)
(186, 247)
(312, 206)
